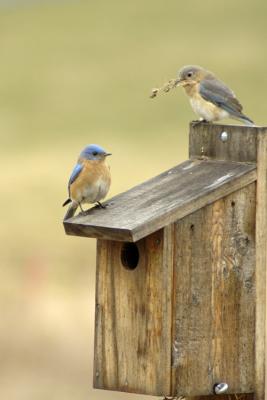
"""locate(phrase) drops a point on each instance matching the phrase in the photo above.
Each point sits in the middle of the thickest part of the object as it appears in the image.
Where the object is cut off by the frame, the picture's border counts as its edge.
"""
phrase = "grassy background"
(79, 72)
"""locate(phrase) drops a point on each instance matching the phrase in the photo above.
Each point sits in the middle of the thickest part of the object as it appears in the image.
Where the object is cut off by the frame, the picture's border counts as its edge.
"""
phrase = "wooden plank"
(133, 317)
(160, 201)
(214, 306)
(236, 396)
(261, 263)
(241, 145)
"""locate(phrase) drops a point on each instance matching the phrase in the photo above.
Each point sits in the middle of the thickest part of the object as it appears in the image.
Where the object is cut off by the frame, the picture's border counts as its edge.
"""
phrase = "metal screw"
(220, 388)
(224, 136)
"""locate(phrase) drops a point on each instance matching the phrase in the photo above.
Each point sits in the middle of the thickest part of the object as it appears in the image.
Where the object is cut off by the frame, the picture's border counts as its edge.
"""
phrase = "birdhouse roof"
(162, 200)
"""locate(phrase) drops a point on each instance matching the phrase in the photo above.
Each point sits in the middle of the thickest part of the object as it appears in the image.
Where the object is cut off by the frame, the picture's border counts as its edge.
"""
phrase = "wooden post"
(214, 309)
(241, 146)
(261, 236)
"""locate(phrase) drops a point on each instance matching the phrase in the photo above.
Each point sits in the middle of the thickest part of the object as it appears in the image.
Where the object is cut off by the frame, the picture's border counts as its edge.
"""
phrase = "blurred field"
(79, 72)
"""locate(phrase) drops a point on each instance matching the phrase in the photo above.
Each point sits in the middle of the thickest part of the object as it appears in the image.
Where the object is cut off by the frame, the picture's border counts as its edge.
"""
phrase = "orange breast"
(92, 183)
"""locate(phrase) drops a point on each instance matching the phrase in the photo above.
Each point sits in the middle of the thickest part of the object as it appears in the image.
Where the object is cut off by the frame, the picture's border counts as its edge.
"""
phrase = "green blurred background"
(80, 72)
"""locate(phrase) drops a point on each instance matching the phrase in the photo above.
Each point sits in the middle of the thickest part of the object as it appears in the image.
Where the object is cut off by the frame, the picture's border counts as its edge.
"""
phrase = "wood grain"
(133, 317)
(236, 396)
(214, 307)
(261, 264)
(162, 200)
(205, 140)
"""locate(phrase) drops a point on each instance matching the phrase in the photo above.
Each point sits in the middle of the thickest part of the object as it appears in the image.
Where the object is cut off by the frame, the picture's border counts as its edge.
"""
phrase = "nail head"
(220, 388)
(224, 136)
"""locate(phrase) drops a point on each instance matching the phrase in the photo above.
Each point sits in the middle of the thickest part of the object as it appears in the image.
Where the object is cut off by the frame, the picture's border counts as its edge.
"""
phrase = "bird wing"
(75, 173)
(218, 93)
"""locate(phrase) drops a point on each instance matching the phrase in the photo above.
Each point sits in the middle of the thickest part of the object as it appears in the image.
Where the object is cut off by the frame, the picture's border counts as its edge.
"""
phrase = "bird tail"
(246, 120)
(66, 202)
(71, 210)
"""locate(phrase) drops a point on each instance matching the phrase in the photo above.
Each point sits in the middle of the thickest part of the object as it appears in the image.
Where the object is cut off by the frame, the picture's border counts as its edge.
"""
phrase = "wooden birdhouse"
(181, 272)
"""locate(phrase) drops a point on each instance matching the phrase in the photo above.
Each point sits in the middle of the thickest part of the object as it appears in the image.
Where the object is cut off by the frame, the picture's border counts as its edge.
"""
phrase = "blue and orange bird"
(90, 179)
(209, 97)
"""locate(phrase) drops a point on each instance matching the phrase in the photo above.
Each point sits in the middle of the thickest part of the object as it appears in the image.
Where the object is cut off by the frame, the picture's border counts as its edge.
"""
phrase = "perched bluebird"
(210, 98)
(90, 179)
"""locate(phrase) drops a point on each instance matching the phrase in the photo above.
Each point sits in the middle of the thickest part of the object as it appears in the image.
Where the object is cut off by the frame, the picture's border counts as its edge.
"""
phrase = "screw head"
(224, 136)
(220, 388)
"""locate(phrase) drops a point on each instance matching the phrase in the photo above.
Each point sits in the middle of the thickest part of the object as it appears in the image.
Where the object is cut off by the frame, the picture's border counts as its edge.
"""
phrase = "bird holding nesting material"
(90, 179)
(209, 97)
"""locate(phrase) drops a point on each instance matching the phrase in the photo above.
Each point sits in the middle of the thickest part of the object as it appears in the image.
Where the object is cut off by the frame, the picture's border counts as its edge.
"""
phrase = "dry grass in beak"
(171, 84)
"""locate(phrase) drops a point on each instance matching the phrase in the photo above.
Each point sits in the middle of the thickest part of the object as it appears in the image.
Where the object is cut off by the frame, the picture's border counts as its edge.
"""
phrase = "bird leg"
(100, 205)
(82, 210)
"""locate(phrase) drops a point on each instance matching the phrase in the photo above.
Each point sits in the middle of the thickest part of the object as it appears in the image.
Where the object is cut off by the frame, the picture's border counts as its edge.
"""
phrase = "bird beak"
(108, 154)
(178, 82)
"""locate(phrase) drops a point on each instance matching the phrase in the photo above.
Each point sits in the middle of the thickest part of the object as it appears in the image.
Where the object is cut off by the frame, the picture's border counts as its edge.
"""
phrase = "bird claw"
(100, 205)
(83, 213)
(199, 121)
(203, 158)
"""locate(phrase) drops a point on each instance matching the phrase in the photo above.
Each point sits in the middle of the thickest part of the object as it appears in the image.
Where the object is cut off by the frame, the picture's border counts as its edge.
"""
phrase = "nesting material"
(171, 84)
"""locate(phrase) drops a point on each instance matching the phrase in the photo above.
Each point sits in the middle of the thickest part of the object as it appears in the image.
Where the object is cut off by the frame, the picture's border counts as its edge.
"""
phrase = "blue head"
(94, 152)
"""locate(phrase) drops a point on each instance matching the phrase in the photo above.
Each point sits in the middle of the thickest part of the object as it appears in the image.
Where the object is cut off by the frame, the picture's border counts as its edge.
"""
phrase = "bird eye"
(189, 74)
(94, 153)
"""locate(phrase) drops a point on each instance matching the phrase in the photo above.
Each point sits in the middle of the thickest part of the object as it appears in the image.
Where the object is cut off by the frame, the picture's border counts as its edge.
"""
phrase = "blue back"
(75, 173)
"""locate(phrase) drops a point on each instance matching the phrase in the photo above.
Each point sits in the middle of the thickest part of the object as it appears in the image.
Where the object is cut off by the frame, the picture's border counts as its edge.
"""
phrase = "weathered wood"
(133, 317)
(162, 200)
(260, 271)
(193, 312)
(241, 145)
(214, 297)
(236, 396)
